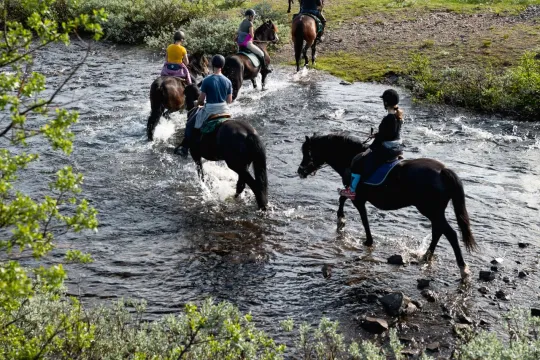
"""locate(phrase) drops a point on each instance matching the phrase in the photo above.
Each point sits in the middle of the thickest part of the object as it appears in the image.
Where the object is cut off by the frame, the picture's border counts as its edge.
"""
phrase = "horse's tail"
(256, 147)
(453, 182)
(157, 96)
(298, 40)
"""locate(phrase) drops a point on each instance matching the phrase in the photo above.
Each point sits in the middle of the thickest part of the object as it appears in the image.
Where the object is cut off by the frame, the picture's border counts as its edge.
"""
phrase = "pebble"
(494, 268)
(487, 275)
(500, 294)
(483, 290)
(433, 347)
(343, 82)
(535, 312)
(419, 304)
(430, 295)
(396, 260)
(327, 271)
(523, 245)
(394, 303)
(506, 279)
(374, 325)
(522, 274)
(464, 319)
(422, 283)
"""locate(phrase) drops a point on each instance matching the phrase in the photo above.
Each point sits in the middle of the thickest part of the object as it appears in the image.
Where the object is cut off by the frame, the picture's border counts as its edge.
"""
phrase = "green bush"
(514, 91)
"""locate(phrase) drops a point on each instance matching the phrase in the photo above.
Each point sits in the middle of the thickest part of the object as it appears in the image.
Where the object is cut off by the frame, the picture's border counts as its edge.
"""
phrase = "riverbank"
(483, 57)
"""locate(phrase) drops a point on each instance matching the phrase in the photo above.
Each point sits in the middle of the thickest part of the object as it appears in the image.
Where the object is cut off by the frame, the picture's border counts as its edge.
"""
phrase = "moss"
(357, 67)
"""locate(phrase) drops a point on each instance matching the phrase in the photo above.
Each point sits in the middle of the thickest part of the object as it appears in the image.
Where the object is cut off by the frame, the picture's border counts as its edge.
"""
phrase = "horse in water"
(304, 29)
(237, 143)
(239, 67)
(167, 93)
(424, 183)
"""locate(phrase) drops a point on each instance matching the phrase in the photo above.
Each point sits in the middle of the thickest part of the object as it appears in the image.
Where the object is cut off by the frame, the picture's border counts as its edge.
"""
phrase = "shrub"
(514, 91)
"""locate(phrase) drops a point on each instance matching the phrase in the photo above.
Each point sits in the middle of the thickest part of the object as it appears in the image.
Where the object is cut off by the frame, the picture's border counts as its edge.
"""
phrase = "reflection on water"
(168, 238)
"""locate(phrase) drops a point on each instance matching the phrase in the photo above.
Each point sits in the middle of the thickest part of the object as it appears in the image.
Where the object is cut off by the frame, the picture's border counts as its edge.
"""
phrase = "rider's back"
(176, 53)
(311, 4)
(216, 87)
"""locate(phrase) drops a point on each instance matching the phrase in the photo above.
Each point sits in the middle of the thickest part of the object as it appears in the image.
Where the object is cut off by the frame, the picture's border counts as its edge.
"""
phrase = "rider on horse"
(176, 59)
(216, 89)
(312, 7)
(386, 146)
(245, 37)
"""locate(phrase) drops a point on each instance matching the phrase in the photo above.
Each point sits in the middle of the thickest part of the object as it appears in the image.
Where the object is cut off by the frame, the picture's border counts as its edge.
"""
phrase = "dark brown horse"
(239, 67)
(167, 93)
(304, 30)
(424, 183)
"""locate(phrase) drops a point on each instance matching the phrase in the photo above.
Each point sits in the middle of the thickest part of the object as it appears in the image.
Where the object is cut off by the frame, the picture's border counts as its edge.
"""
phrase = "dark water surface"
(167, 238)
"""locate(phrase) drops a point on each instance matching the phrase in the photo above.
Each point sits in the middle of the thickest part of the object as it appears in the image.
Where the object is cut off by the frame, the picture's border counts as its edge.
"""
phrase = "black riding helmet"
(250, 12)
(179, 36)
(218, 61)
(390, 97)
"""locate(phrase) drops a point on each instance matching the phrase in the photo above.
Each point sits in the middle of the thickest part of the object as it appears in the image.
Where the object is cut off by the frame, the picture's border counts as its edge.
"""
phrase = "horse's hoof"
(368, 243)
(465, 272)
(427, 257)
(340, 224)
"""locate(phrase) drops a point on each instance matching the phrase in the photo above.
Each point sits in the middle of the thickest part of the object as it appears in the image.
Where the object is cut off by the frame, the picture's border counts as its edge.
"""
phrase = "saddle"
(252, 57)
(213, 122)
(314, 17)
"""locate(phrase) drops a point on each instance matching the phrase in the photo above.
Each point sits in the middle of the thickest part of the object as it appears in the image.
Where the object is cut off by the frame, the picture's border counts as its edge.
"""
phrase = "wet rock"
(422, 283)
(430, 295)
(495, 268)
(484, 322)
(523, 245)
(523, 274)
(433, 347)
(374, 325)
(497, 261)
(500, 294)
(506, 279)
(410, 309)
(343, 82)
(419, 304)
(464, 319)
(483, 290)
(396, 260)
(518, 262)
(460, 329)
(406, 339)
(394, 303)
(535, 312)
(327, 271)
(487, 275)
(414, 327)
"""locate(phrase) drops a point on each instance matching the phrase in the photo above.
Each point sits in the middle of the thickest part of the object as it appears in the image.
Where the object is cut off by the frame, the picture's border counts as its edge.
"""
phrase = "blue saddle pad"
(254, 59)
(381, 173)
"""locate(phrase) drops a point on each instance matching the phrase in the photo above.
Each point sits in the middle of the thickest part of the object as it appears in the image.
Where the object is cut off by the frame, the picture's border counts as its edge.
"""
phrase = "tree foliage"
(29, 224)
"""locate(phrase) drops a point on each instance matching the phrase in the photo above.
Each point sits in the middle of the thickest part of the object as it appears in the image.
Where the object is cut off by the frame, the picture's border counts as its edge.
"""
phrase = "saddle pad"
(254, 59)
(381, 173)
(314, 17)
(210, 125)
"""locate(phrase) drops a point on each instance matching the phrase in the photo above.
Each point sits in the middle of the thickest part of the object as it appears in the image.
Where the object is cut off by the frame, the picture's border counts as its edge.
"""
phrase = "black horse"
(424, 183)
(237, 143)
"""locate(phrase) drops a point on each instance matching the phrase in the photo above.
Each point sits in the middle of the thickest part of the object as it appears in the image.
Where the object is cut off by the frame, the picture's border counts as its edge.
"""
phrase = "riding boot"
(320, 36)
(264, 65)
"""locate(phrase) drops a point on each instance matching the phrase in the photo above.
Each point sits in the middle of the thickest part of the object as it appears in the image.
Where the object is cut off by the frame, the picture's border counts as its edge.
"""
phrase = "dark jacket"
(389, 130)
(310, 4)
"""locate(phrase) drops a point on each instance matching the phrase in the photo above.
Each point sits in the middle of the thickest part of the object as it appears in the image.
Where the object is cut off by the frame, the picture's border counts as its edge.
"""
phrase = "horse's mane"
(339, 140)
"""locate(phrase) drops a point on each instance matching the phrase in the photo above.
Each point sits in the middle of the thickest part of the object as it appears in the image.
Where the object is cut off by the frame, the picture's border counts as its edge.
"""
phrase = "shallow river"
(168, 238)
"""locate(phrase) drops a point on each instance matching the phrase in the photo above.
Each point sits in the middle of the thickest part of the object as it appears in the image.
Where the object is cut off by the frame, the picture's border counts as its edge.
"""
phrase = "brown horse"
(239, 67)
(167, 93)
(304, 29)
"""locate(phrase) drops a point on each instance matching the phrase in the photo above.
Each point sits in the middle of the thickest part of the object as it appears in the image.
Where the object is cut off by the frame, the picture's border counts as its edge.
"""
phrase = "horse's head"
(267, 32)
(191, 93)
(198, 64)
(311, 159)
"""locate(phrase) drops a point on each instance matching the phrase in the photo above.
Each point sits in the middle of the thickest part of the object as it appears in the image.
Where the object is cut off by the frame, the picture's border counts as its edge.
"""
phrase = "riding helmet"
(390, 97)
(250, 12)
(218, 61)
(179, 36)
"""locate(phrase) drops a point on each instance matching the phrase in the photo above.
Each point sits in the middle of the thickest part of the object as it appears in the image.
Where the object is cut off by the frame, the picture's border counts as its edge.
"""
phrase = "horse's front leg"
(341, 214)
(361, 206)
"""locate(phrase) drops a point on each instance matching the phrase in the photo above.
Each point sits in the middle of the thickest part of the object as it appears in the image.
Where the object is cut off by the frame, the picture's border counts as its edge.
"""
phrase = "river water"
(167, 238)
